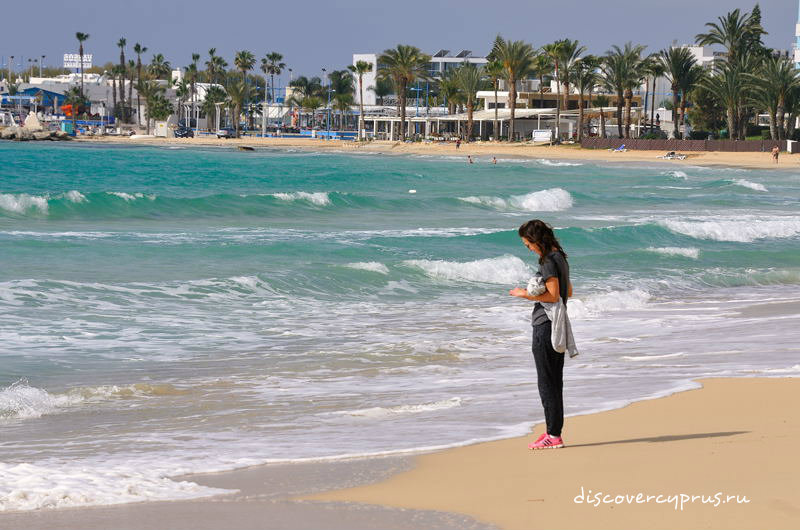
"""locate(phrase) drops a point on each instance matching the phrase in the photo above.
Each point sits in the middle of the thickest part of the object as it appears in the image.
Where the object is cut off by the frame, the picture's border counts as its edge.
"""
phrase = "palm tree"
(131, 76)
(494, 71)
(139, 50)
(214, 95)
(122, 66)
(735, 31)
(543, 66)
(687, 83)
(182, 93)
(340, 83)
(602, 101)
(114, 73)
(403, 65)
(244, 61)
(342, 103)
(158, 67)
(570, 50)
(557, 53)
(624, 70)
(74, 98)
(772, 87)
(728, 83)
(239, 92)
(676, 63)
(517, 60)
(273, 66)
(585, 78)
(469, 77)
(382, 88)
(359, 69)
(656, 70)
(215, 66)
(450, 90)
(303, 89)
(82, 37)
(149, 89)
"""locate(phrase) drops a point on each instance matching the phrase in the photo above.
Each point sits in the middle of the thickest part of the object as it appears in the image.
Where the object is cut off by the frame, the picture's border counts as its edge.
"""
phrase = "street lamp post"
(329, 98)
(41, 64)
(264, 114)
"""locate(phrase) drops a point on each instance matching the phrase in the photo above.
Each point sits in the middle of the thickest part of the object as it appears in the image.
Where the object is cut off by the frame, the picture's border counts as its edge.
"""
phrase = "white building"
(440, 63)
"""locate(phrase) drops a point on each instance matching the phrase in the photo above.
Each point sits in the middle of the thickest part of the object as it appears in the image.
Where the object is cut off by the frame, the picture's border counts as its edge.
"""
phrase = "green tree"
(138, 49)
(676, 63)
(215, 94)
(239, 92)
(543, 66)
(359, 69)
(342, 103)
(737, 32)
(687, 83)
(585, 78)
(82, 37)
(602, 101)
(517, 60)
(624, 70)
(469, 77)
(244, 61)
(74, 98)
(494, 71)
(772, 86)
(159, 68)
(122, 75)
(272, 66)
(706, 113)
(403, 65)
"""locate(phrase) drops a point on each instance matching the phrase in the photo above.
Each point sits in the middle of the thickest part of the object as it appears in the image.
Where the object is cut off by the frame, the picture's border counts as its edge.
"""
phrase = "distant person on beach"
(552, 333)
(458, 143)
(775, 153)
(469, 157)
(494, 160)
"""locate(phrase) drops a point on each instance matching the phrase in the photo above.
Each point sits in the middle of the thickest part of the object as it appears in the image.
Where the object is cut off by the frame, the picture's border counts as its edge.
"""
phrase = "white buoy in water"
(412, 191)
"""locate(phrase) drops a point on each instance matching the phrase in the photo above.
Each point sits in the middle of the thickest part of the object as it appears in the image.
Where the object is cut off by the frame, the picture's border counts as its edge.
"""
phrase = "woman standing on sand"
(551, 328)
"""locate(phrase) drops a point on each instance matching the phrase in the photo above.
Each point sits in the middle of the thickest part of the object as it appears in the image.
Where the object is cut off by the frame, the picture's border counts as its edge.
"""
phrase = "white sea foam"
(550, 200)
(130, 196)
(594, 305)
(372, 266)
(382, 412)
(503, 270)
(546, 162)
(651, 357)
(676, 174)
(743, 230)
(791, 370)
(748, 184)
(318, 198)
(75, 196)
(693, 253)
(22, 202)
(33, 487)
(22, 401)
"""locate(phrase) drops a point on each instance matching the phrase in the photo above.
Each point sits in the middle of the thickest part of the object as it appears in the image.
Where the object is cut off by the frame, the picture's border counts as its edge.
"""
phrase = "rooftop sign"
(73, 60)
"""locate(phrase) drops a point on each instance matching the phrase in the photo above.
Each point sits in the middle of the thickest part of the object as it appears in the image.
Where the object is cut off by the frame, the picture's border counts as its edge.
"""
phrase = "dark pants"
(550, 373)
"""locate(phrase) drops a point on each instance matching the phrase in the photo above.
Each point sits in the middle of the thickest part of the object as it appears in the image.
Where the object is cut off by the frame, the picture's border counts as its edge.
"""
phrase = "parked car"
(226, 132)
(184, 132)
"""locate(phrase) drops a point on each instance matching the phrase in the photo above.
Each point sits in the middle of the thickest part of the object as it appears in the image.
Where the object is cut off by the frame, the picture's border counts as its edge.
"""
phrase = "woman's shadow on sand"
(666, 438)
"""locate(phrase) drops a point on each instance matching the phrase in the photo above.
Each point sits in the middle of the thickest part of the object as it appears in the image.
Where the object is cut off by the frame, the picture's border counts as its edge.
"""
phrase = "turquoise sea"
(173, 310)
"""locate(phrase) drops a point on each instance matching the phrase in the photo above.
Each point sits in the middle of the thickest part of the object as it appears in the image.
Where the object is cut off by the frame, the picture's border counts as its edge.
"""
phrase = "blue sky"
(313, 34)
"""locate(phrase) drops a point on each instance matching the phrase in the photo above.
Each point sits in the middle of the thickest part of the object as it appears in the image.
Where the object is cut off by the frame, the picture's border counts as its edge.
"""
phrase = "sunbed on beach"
(672, 155)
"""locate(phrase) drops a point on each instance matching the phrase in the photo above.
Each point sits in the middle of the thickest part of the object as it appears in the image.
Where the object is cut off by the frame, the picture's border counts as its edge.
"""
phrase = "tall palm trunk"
(780, 113)
(494, 127)
(683, 115)
(402, 98)
(653, 103)
(470, 107)
(558, 102)
(580, 116)
(361, 107)
(80, 51)
(675, 109)
(512, 104)
(619, 114)
(114, 91)
(130, 92)
(731, 123)
(628, 103)
(602, 123)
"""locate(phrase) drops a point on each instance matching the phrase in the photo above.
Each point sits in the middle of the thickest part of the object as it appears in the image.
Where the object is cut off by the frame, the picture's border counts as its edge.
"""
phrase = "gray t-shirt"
(554, 264)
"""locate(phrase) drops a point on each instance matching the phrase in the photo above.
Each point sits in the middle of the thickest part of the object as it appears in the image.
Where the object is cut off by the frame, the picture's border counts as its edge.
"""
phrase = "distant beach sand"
(483, 151)
(732, 437)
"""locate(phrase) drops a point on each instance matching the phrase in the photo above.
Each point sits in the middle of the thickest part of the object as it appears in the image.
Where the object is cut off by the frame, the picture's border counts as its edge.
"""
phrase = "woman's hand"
(519, 292)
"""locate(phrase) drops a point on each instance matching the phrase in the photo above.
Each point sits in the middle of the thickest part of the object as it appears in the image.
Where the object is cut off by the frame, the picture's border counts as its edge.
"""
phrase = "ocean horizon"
(171, 310)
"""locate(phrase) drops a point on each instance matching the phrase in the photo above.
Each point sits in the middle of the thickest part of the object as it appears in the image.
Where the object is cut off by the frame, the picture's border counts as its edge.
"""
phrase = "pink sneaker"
(539, 439)
(547, 441)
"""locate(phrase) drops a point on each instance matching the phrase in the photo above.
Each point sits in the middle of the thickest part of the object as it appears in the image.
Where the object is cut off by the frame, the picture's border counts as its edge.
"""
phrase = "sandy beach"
(721, 456)
(482, 151)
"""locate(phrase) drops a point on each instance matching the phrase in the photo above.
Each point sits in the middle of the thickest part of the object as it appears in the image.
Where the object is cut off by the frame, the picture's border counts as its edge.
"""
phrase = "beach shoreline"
(690, 442)
(480, 151)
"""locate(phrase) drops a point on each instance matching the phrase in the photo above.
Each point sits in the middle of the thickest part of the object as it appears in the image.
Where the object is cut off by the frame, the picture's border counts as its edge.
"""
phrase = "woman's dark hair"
(541, 233)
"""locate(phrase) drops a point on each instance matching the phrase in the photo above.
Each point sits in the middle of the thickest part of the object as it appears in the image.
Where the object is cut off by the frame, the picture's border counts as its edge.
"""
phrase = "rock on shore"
(23, 134)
